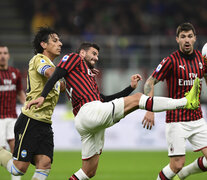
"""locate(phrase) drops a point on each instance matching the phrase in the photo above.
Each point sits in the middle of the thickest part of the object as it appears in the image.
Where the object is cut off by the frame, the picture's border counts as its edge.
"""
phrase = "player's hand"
(62, 86)
(39, 101)
(95, 71)
(148, 120)
(135, 79)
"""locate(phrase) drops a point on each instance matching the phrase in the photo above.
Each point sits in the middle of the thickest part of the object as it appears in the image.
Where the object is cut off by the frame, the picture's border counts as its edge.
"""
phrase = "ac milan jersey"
(180, 71)
(10, 84)
(80, 81)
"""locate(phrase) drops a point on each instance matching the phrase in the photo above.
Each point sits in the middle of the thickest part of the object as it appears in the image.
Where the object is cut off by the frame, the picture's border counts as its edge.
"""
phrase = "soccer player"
(94, 112)
(180, 69)
(33, 131)
(10, 90)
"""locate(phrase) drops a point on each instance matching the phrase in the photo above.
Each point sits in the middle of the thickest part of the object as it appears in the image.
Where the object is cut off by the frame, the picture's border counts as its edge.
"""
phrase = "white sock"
(5, 156)
(158, 177)
(81, 175)
(13, 169)
(15, 177)
(166, 172)
(163, 103)
(157, 104)
(41, 174)
(193, 168)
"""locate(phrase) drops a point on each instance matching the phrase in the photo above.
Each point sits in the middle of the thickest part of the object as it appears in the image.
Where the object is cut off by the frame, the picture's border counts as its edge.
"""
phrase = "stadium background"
(134, 37)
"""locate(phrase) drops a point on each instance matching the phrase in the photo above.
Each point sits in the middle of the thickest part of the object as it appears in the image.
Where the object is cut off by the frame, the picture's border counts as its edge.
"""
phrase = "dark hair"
(185, 27)
(42, 36)
(3, 45)
(86, 46)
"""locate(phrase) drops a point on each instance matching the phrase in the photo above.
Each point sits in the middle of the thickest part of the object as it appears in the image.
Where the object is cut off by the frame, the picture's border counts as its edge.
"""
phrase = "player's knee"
(43, 163)
(178, 167)
(177, 163)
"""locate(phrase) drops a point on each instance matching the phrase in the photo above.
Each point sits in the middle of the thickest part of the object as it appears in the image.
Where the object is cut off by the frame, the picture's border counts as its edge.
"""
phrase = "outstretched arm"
(148, 120)
(58, 74)
(134, 83)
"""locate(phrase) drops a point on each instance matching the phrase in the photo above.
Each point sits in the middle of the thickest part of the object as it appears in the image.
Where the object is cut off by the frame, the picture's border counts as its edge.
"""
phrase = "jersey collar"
(187, 56)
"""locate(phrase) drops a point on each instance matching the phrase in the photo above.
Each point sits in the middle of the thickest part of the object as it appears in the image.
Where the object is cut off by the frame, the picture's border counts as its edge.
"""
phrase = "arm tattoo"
(149, 86)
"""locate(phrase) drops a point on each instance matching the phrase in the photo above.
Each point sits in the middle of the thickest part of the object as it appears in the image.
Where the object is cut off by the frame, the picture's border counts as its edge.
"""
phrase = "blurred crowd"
(141, 19)
(114, 17)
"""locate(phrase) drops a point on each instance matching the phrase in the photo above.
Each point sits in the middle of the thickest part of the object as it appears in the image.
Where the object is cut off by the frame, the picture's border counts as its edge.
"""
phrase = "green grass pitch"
(113, 165)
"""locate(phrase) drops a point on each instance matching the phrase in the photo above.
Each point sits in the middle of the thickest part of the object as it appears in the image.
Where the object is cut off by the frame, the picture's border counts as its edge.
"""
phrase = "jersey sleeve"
(42, 65)
(68, 62)
(125, 92)
(163, 69)
(58, 74)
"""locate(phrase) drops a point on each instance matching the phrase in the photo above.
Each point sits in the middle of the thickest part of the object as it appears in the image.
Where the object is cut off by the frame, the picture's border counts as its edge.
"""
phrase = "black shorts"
(32, 138)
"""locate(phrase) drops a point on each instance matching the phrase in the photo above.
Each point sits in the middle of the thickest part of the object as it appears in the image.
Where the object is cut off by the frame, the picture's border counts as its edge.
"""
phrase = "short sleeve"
(68, 62)
(163, 69)
(42, 65)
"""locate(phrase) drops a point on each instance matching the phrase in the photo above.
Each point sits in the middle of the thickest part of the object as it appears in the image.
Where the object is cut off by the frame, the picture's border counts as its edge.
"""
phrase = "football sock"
(15, 177)
(166, 173)
(73, 177)
(79, 175)
(5, 156)
(157, 104)
(7, 162)
(41, 174)
(199, 165)
(13, 169)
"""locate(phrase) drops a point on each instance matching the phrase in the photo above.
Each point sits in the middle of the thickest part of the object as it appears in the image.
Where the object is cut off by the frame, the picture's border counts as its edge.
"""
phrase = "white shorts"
(177, 133)
(6, 130)
(92, 120)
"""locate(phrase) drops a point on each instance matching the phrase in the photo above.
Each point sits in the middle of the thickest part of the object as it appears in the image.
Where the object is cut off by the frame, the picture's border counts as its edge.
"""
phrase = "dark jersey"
(180, 71)
(80, 81)
(81, 85)
(10, 84)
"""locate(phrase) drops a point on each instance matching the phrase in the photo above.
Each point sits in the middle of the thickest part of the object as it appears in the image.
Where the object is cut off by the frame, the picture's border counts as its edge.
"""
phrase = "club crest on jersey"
(24, 153)
(65, 58)
(158, 68)
(200, 65)
(42, 61)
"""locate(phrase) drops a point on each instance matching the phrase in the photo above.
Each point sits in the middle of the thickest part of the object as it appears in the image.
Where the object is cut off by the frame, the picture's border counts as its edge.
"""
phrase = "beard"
(87, 60)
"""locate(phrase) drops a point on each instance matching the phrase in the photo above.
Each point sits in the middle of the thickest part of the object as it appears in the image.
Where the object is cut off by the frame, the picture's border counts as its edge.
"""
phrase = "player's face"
(91, 57)
(186, 40)
(4, 56)
(53, 47)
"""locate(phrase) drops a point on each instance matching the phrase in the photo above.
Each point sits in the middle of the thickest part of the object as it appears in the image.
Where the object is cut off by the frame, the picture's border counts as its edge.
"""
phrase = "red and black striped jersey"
(80, 82)
(179, 71)
(10, 84)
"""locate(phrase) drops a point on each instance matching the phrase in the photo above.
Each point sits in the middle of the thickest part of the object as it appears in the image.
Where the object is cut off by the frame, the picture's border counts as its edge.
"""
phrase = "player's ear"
(43, 44)
(177, 39)
(82, 53)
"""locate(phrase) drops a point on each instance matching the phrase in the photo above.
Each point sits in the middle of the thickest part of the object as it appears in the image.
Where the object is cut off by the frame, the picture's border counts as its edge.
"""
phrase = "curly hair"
(42, 36)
